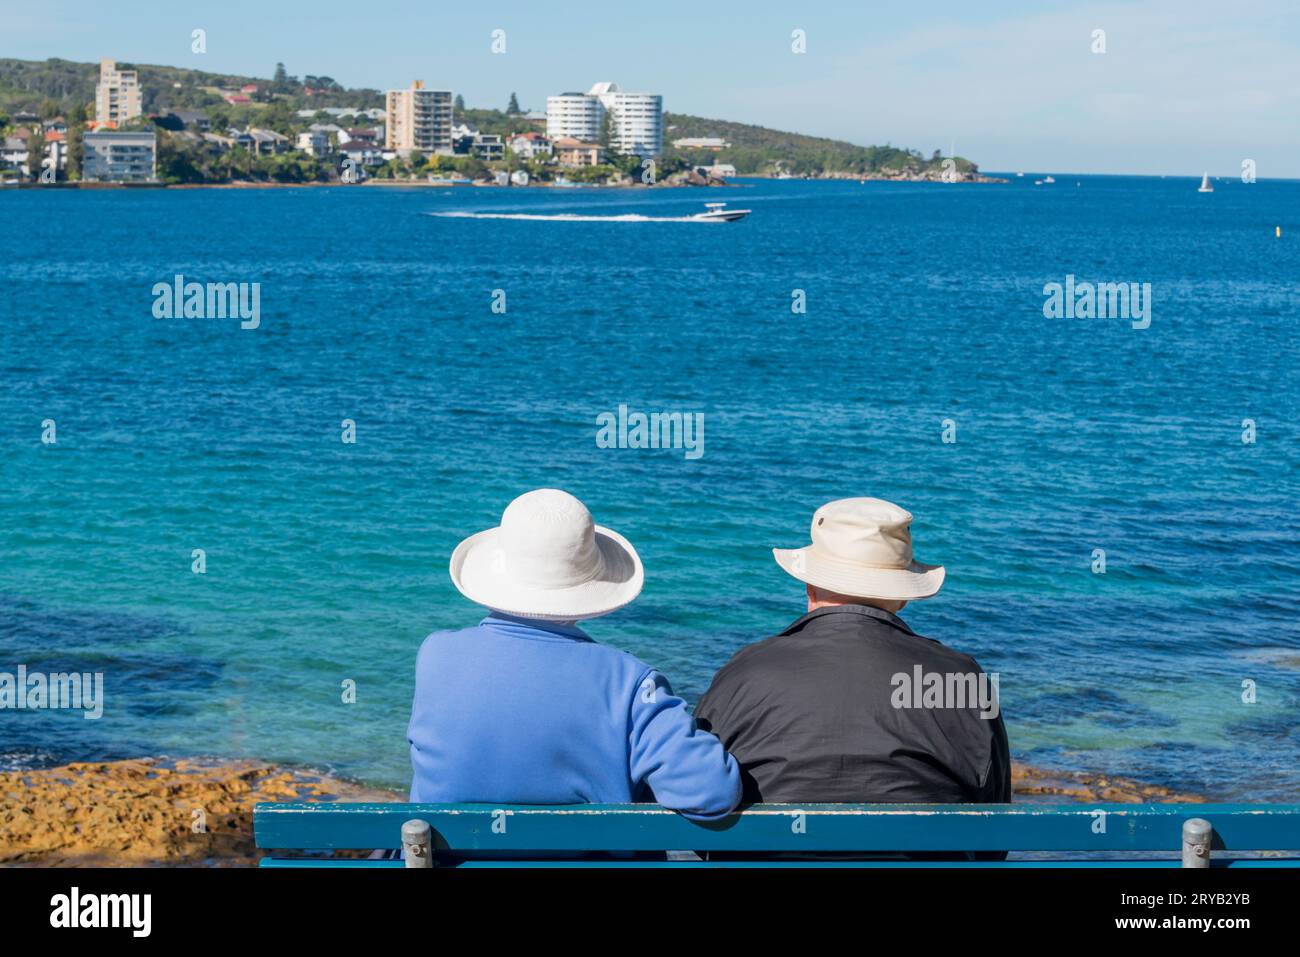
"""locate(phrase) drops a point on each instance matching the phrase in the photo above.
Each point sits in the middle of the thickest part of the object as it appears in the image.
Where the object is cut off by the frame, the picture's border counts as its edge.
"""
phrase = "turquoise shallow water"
(327, 561)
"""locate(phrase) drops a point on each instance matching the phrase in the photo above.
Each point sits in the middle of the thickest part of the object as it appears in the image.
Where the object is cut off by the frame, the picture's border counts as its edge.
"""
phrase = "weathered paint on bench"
(469, 829)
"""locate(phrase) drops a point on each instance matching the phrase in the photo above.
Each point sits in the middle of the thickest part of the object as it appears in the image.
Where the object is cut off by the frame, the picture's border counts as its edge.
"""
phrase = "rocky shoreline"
(161, 812)
(901, 176)
(150, 812)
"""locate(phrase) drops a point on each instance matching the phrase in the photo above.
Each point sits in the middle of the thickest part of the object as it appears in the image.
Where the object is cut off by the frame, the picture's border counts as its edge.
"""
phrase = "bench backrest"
(474, 828)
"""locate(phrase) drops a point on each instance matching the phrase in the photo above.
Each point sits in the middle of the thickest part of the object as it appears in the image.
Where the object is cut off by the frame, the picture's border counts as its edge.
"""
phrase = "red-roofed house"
(529, 145)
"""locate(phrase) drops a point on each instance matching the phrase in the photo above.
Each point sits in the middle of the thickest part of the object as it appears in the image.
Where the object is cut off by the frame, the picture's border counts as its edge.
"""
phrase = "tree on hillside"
(321, 82)
(606, 139)
(76, 149)
(512, 108)
(279, 116)
(36, 153)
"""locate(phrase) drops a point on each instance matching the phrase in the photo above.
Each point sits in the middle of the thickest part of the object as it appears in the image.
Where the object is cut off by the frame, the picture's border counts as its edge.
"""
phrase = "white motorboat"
(718, 213)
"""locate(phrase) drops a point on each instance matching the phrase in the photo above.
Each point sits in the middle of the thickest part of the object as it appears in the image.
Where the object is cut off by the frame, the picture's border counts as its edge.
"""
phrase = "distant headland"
(195, 127)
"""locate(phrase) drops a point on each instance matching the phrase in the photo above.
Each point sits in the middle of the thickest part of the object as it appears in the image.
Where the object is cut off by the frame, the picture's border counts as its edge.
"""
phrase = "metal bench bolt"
(1197, 833)
(416, 842)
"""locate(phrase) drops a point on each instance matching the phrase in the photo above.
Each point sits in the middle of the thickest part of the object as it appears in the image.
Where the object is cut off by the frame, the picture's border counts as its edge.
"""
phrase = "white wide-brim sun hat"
(862, 548)
(548, 560)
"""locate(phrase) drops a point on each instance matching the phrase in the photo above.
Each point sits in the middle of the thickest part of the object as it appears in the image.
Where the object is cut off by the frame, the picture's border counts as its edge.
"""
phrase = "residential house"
(336, 133)
(13, 154)
(216, 144)
(186, 118)
(571, 152)
(701, 143)
(314, 141)
(462, 139)
(361, 153)
(55, 150)
(262, 142)
(530, 145)
(488, 147)
(56, 125)
(56, 153)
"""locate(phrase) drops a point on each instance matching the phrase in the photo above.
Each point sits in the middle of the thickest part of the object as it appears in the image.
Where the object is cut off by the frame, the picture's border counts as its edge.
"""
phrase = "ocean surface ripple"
(327, 562)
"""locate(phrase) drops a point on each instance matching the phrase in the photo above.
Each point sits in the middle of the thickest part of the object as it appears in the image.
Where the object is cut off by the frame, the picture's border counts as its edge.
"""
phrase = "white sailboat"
(1205, 184)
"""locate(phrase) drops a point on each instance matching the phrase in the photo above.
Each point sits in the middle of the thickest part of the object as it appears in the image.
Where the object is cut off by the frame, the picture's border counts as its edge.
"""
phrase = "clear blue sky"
(1184, 85)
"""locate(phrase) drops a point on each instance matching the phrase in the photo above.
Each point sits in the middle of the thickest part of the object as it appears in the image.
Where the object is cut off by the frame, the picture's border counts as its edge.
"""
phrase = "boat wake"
(575, 217)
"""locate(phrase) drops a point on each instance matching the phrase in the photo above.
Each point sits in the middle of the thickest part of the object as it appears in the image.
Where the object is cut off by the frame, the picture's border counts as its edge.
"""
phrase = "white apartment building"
(117, 95)
(575, 116)
(418, 119)
(636, 119)
(119, 157)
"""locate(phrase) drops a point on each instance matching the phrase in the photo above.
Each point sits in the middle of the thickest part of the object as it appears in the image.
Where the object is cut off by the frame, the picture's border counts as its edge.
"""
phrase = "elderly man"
(525, 708)
(849, 704)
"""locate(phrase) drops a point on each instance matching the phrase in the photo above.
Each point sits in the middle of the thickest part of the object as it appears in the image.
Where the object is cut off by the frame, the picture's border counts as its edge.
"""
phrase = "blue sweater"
(526, 712)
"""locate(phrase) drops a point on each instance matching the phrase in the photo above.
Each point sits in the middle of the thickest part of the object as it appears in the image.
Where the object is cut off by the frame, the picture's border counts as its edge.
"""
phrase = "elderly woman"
(525, 708)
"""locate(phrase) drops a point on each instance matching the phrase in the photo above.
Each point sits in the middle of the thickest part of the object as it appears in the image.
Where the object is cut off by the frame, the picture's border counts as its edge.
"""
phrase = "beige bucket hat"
(862, 547)
(548, 560)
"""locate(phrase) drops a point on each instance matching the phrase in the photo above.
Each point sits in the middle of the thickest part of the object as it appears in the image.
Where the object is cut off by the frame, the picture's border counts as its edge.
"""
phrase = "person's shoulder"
(953, 659)
(446, 637)
(751, 656)
(609, 657)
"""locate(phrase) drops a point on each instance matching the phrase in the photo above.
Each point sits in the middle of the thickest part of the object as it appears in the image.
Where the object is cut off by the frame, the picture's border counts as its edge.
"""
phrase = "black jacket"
(813, 715)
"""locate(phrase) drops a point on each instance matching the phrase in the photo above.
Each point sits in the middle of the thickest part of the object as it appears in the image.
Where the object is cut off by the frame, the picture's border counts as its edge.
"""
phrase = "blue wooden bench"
(483, 835)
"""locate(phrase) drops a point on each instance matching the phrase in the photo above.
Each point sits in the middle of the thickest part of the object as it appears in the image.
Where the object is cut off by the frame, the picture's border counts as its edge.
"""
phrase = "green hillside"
(759, 150)
(51, 87)
(61, 87)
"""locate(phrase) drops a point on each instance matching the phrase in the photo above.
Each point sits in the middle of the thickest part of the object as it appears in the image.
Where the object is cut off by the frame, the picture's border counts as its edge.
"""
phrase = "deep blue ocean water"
(328, 561)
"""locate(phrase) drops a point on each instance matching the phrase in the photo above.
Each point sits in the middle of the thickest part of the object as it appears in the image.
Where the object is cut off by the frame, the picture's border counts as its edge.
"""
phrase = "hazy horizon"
(1181, 89)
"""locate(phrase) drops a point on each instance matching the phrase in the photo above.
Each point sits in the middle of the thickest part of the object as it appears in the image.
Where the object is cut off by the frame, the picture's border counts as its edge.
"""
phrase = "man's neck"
(884, 604)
